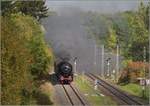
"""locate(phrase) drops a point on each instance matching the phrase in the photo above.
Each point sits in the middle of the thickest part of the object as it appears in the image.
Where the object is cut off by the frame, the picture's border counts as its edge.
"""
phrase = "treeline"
(25, 57)
(128, 30)
(34, 8)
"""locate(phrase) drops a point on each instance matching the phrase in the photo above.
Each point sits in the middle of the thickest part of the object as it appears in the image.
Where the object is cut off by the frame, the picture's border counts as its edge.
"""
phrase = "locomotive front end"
(64, 72)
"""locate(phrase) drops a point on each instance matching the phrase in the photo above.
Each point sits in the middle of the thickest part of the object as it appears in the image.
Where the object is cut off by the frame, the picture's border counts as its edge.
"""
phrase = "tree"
(24, 58)
(139, 36)
(111, 40)
(7, 7)
(143, 12)
(132, 31)
(96, 26)
(35, 8)
(15, 61)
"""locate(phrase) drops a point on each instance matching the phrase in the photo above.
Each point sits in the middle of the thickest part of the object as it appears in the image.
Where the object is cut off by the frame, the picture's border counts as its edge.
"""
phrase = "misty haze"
(68, 35)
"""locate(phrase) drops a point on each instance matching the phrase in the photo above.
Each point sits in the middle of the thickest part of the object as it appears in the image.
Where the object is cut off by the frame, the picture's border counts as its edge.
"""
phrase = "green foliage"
(129, 29)
(86, 87)
(135, 89)
(143, 13)
(111, 40)
(6, 7)
(96, 26)
(139, 36)
(22, 47)
(125, 63)
(43, 98)
(14, 71)
(41, 58)
(35, 8)
(133, 71)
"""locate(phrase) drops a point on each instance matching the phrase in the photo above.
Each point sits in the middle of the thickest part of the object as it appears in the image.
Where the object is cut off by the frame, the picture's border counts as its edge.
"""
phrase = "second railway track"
(73, 96)
(116, 92)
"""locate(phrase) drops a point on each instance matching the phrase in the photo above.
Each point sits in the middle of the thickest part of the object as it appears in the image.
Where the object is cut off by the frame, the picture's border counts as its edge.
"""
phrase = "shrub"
(22, 48)
(133, 70)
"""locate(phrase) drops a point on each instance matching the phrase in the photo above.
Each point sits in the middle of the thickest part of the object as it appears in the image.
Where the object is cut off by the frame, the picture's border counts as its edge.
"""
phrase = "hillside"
(25, 59)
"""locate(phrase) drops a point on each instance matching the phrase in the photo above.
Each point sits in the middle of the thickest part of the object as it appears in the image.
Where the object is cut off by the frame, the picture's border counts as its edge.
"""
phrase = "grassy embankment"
(93, 96)
(132, 88)
(135, 89)
(130, 74)
(25, 59)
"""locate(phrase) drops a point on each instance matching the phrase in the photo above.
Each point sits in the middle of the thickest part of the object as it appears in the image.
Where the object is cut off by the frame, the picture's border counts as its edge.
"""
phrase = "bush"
(134, 70)
(23, 52)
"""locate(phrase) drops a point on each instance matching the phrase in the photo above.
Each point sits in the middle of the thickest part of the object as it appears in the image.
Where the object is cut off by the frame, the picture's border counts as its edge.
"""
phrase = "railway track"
(116, 92)
(73, 96)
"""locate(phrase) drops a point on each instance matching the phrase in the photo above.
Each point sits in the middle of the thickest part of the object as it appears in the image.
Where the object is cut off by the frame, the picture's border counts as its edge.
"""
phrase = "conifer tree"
(34, 8)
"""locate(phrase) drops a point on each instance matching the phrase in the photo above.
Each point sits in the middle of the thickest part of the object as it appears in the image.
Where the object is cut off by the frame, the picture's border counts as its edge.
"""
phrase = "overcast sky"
(104, 6)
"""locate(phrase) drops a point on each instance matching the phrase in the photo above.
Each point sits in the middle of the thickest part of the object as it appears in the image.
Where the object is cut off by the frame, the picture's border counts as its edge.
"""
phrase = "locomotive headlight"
(67, 67)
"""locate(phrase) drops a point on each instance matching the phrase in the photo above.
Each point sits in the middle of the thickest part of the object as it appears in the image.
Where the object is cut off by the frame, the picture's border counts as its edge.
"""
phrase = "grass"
(44, 95)
(135, 89)
(93, 96)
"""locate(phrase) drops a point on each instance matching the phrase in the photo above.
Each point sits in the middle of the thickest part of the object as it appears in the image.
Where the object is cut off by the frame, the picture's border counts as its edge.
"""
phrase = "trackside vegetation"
(129, 31)
(95, 97)
(25, 58)
(136, 89)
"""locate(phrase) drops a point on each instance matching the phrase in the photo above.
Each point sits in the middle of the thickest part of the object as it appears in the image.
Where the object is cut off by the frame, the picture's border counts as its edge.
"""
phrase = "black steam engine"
(64, 71)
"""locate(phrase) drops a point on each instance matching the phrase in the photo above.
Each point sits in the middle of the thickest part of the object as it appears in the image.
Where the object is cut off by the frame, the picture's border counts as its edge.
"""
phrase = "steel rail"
(68, 95)
(119, 94)
(82, 102)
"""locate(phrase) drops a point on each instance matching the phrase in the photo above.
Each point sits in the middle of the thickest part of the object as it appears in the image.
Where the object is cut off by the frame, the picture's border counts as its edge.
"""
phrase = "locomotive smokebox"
(64, 71)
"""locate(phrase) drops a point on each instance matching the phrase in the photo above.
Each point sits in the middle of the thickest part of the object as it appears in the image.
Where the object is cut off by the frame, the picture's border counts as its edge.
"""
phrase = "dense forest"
(26, 58)
(129, 30)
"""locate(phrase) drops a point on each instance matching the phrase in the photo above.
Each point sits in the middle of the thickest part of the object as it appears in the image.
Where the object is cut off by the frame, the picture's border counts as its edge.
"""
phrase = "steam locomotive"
(64, 71)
